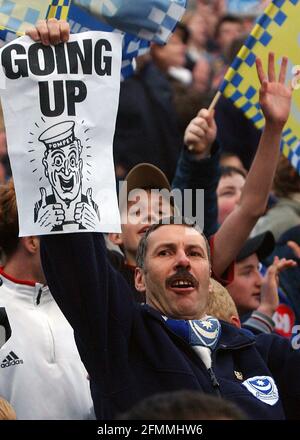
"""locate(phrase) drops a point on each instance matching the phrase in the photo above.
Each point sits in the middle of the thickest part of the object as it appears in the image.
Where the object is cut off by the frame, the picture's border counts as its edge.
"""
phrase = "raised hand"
(85, 213)
(201, 133)
(269, 300)
(49, 215)
(50, 31)
(295, 247)
(274, 96)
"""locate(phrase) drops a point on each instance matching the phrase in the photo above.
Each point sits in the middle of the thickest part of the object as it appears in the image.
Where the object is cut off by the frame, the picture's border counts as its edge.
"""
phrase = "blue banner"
(152, 20)
(81, 21)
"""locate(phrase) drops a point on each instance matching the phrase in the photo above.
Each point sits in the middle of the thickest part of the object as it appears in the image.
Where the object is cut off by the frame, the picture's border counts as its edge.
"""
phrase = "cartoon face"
(63, 168)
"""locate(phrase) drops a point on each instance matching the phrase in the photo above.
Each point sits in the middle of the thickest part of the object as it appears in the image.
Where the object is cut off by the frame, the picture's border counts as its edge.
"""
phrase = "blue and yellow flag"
(19, 15)
(278, 31)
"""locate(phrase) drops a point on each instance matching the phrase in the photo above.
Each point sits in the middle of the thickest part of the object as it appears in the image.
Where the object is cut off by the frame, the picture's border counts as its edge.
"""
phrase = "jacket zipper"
(214, 381)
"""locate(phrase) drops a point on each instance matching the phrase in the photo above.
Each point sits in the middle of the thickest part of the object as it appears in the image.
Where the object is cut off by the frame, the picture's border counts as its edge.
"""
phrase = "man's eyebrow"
(169, 245)
(195, 245)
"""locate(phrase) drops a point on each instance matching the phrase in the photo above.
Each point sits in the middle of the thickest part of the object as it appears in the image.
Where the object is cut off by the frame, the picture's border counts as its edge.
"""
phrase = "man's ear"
(235, 320)
(31, 243)
(45, 163)
(139, 278)
(116, 238)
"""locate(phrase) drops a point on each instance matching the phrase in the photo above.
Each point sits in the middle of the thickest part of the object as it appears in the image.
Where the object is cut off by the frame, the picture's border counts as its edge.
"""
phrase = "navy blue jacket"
(130, 354)
(290, 278)
(203, 174)
(236, 133)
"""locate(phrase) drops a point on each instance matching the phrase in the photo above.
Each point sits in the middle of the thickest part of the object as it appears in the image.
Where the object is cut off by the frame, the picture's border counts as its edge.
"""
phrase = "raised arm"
(275, 101)
(95, 299)
(198, 167)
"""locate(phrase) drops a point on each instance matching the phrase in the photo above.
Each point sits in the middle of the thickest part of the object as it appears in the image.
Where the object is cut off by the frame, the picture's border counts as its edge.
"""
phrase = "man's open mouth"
(182, 280)
(182, 284)
(66, 184)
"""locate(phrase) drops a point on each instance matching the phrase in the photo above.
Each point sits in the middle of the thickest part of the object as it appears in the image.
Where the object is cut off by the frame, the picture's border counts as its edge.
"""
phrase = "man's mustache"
(182, 274)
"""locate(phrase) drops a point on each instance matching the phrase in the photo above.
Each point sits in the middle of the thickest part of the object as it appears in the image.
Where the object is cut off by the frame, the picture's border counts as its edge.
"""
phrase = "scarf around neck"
(203, 332)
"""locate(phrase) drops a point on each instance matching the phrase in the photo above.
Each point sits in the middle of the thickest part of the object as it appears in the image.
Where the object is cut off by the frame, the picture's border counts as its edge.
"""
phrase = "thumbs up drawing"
(49, 214)
(86, 212)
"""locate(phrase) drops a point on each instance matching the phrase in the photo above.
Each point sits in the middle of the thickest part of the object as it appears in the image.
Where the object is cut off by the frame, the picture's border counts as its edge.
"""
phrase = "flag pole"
(214, 101)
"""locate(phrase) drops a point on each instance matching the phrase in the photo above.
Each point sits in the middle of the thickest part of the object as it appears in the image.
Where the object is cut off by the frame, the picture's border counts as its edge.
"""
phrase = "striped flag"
(142, 21)
(152, 20)
(18, 15)
(276, 30)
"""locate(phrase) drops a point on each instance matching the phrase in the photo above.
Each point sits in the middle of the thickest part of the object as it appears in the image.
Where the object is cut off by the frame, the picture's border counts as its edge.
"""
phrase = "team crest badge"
(205, 332)
(263, 388)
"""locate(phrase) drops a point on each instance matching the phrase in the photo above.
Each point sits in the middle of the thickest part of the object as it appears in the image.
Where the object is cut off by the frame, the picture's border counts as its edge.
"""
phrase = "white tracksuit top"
(41, 373)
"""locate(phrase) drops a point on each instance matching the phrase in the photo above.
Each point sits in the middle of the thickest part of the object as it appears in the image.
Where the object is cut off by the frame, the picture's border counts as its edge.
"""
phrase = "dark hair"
(234, 48)
(143, 244)
(286, 179)
(182, 29)
(183, 405)
(229, 171)
(227, 19)
(9, 225)
(228, 153)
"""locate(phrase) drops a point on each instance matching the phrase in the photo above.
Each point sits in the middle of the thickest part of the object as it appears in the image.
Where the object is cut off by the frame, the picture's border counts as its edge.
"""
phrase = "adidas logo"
(11, 359)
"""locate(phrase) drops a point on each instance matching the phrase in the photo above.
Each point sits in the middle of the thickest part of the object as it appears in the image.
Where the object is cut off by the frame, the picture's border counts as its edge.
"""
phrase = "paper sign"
(60, 105)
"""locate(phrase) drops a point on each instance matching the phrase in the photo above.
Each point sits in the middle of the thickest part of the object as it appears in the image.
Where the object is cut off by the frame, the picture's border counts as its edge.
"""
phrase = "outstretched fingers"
(260, 71)
(283, 69)
(271, 69)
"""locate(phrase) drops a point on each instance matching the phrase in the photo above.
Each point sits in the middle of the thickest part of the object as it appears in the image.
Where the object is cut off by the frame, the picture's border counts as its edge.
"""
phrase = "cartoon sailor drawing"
(63, 165)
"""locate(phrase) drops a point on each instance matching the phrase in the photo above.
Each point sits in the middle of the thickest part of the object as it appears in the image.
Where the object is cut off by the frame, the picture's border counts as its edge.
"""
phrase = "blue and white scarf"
(197, 332)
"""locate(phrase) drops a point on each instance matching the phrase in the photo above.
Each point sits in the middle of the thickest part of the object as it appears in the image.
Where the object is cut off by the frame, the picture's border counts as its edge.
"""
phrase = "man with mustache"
(132, 351)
